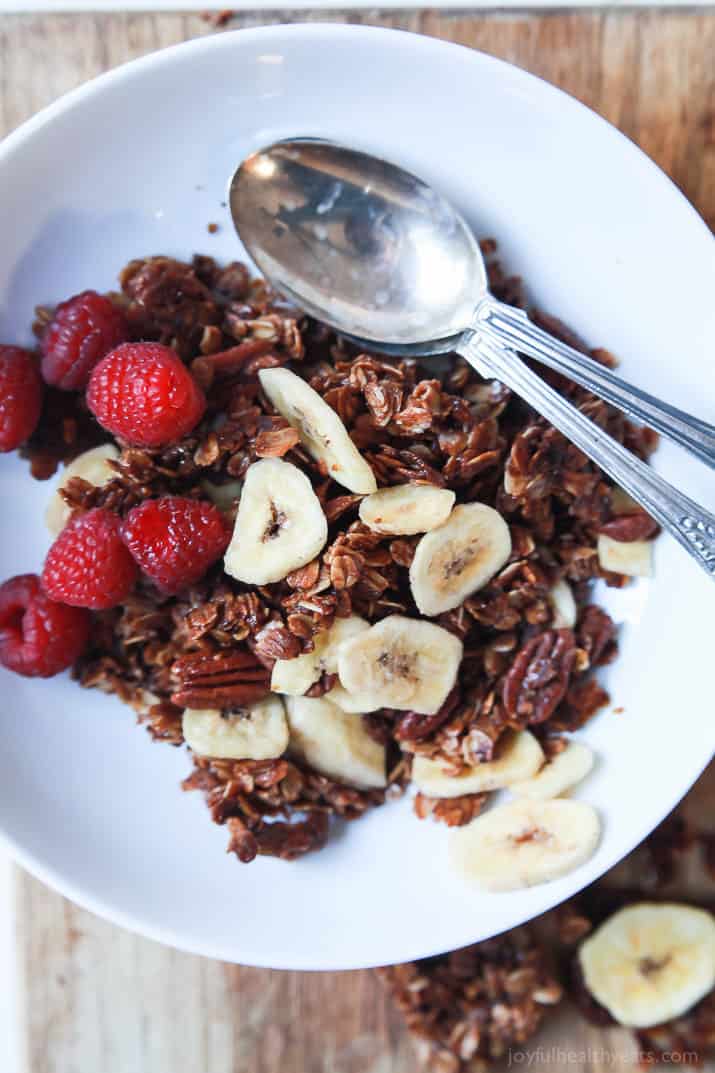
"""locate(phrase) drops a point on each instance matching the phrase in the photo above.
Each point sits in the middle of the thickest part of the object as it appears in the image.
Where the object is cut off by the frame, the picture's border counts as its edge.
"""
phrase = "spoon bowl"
(360, 243)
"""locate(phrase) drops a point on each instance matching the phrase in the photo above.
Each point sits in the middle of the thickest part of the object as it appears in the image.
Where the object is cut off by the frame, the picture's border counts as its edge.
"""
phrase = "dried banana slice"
(459, 558)
(559, 775)
(356, 703)
(280, 524)
(407, 509)
(562, 601)
(296, 676)
(259, 732)
(92, 466)
(342, 630)
(632, 557)
(524, 843)
(321, 431)
(335, 743)
(519, 756)
(401, 663)
(649, 963)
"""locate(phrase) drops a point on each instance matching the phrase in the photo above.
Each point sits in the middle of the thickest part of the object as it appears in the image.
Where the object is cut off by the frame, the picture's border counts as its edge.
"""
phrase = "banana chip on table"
(650, 962)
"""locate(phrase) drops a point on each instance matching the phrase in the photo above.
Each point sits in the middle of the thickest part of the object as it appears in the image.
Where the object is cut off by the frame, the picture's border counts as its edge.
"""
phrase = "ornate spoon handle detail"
(690, 524)
(506, 326)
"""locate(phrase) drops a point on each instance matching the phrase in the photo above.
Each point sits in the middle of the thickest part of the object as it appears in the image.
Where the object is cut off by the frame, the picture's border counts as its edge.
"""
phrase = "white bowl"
(137, 163)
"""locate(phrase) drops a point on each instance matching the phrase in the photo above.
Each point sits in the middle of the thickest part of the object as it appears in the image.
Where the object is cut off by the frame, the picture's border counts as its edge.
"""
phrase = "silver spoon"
(376, 253)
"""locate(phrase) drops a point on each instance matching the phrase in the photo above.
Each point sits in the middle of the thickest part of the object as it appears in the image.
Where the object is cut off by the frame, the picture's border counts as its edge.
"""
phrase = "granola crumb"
(217, 19)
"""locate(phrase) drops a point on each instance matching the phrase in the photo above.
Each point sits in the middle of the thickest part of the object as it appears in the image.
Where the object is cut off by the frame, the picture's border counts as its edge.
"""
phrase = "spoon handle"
(511, 327)
(690, 524)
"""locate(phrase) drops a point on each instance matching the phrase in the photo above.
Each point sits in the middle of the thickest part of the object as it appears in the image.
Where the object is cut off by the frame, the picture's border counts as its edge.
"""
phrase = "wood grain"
(101, 1000)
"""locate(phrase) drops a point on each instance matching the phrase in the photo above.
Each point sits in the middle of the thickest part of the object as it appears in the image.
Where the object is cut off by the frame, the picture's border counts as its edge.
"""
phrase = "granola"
(467, 1008)
(214, 644)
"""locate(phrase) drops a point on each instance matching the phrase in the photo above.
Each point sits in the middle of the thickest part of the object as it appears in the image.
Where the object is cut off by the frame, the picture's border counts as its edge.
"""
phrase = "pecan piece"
(275, 641)
(415, 727)
(539, 676)
(324, 684)
(290, 840)
(628, 527)
(596, 633)
(305, 577)
(453, 811)
(276, 442)
(221, 681)
(378, 726)
(402, 551)
(242, 841)
(334, 508)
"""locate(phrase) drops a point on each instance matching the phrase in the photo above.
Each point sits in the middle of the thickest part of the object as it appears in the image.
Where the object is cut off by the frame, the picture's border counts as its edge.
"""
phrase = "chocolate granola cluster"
(467, 1008)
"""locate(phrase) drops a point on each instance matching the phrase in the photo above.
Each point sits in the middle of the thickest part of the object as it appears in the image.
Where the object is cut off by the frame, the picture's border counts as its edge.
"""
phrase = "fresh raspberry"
(20, 396)
(88, 565)
(175, 540)
(82, 331)
(38, 637)
(143, 393)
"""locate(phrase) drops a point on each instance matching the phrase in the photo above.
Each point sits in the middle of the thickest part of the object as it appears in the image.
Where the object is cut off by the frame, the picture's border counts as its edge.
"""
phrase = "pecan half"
(230, 681)
(539, 676)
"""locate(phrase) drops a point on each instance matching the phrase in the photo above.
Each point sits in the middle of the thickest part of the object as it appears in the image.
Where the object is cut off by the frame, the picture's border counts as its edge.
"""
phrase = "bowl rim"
(510, 75)
(159, 57)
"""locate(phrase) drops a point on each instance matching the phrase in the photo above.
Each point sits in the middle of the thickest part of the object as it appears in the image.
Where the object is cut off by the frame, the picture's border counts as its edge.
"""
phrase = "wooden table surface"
(96, 999)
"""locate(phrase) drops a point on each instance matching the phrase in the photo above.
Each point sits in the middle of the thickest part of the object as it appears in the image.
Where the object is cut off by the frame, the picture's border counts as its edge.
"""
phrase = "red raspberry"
(20, 396)
(88, 565)
(175, 540)
(82, 331)
(38, 637)
(143, 393)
